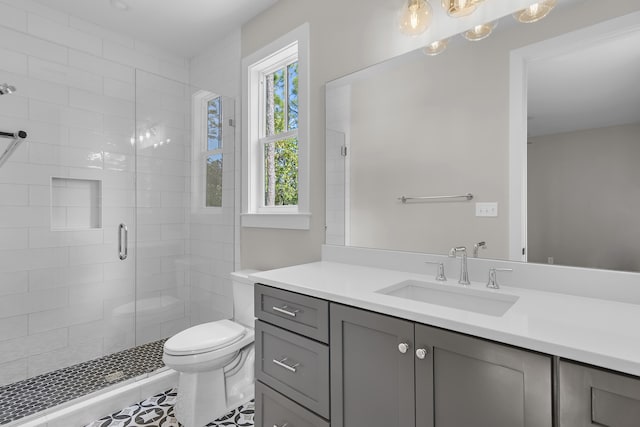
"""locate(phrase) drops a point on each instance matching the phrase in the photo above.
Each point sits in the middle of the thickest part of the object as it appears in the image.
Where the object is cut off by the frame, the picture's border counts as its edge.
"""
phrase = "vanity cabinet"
(442, 379)
(595, 397)
(292, 359)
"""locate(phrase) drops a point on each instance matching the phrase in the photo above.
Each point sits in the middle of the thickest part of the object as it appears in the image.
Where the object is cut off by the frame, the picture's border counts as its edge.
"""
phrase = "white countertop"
(598, 332)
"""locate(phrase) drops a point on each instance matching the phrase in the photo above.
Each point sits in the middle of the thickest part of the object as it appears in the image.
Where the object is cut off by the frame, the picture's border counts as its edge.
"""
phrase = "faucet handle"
(493, 279)
(454, 251)
(440, 277)
(477, 247)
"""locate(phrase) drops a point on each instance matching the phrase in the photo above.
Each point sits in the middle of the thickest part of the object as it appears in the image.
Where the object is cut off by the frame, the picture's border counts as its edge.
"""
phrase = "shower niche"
(76, 204)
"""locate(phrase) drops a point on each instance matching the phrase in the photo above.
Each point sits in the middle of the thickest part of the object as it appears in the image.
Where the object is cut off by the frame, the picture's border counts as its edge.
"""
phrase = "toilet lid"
(205, 337)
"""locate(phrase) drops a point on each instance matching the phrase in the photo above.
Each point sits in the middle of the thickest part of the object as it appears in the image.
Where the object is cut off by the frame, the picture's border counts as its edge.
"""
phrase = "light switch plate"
(487, 209)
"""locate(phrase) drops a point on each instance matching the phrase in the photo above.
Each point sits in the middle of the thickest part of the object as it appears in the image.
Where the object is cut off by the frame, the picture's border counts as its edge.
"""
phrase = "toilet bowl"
(215, 361)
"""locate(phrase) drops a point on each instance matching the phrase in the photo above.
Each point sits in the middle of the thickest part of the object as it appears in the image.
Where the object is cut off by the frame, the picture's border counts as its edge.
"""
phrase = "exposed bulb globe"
(415, 17)
(459, 8)
(535, 12)
(479, 32)
(436, 48)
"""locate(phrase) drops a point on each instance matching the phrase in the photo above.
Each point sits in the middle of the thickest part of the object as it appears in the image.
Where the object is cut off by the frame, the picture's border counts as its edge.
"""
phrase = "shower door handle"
(123, 250)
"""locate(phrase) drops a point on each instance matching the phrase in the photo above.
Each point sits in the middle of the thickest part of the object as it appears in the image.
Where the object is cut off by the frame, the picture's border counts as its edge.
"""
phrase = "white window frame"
(254, 67)
(200, 152)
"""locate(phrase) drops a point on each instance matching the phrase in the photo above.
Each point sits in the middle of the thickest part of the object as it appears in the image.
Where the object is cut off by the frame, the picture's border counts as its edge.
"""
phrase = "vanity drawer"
(273, 409)
(293, 365)
(592, 396)
(305, 315)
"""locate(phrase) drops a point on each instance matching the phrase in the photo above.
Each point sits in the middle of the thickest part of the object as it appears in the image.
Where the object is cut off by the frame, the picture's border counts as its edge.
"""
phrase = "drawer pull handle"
(285, 309)
(282, 364)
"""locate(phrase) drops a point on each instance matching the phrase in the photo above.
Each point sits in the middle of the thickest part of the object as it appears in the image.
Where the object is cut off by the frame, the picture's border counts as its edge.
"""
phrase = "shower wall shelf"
(405, 199)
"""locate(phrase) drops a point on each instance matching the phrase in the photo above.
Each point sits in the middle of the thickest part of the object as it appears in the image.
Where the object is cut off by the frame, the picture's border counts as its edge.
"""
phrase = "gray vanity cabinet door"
(372, 382)
(594, 397)
(465, 381)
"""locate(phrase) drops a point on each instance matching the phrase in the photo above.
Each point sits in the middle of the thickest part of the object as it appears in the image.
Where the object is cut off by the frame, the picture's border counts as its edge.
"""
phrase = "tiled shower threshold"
(34, 395)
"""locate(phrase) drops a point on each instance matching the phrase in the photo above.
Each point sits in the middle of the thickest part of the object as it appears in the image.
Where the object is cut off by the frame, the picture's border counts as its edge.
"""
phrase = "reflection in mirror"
(583, 196)
(434, 126)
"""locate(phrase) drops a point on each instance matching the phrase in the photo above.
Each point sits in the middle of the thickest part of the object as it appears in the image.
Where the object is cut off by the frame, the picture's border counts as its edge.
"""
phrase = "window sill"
(289, 221)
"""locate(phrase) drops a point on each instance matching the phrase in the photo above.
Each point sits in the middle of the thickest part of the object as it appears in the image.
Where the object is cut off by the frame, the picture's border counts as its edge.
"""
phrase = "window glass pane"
(292, 80)
(281, 173)
(276, 100)
(214, 124)
(214, 181)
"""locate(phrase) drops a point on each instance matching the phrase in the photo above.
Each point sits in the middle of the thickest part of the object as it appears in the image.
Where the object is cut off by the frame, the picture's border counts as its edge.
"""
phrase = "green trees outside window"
(213, 159)
(281, 145)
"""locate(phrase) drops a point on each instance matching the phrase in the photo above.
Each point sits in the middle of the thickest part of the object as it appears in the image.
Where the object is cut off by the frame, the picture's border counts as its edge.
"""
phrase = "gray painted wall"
(431, 127)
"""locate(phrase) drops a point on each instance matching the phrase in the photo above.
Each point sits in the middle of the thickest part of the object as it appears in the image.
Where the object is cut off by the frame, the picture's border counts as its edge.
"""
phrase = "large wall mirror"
(539, 122)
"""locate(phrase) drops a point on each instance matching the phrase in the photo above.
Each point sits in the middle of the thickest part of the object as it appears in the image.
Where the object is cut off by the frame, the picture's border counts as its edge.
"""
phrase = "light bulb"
(436, 48)
(458, 8)
(415, 18)
(535, 12)
(479, 32)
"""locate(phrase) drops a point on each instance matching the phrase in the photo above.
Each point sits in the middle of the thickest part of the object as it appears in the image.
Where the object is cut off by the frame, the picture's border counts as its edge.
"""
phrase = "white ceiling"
(594, 87)
(185, 27)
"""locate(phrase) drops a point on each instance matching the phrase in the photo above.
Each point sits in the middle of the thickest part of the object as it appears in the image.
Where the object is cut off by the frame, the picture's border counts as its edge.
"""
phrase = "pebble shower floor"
(157, 411)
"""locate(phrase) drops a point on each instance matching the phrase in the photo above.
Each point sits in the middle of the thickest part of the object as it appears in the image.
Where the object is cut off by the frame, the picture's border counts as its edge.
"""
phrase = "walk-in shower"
(106, 152)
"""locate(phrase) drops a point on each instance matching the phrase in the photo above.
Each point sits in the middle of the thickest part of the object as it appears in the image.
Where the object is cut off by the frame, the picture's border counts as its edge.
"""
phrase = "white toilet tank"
(243, 297)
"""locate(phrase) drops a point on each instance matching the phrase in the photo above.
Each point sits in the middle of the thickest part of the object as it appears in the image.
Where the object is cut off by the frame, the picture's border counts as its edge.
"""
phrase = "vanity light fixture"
(479, 32)
(458, 8)
(436, 48)
(535, 12)
(415, 17)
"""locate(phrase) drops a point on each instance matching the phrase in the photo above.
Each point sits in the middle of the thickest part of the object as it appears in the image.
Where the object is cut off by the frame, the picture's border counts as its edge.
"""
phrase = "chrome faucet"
(464, 274)
(477, 246)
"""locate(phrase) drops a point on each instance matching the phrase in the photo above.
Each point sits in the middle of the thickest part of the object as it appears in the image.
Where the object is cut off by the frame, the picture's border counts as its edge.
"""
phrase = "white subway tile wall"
(65, 297)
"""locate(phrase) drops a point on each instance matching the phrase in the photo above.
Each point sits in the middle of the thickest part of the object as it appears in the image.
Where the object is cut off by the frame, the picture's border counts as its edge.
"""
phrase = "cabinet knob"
(421, 353)
(403, 347)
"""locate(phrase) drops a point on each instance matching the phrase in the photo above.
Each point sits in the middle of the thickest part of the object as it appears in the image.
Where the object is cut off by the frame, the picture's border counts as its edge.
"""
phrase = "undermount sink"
(454, 296)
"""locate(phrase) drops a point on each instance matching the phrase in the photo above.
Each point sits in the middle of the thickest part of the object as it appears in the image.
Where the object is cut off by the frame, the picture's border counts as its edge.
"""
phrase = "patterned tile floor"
(36, 394)
(157, 411)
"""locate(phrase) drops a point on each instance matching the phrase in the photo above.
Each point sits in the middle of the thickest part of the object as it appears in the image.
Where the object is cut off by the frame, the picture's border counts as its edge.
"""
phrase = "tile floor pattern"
(27, 397)
(157, 411)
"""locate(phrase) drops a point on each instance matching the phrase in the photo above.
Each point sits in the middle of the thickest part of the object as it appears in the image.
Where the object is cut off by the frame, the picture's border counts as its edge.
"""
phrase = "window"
(280, 140)
(212, 137)
(275, 158)
(213, 154)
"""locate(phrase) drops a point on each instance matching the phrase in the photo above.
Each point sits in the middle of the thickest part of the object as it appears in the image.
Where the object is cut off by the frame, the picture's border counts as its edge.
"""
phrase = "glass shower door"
(185, 143)
(163, 198)
(64, 291)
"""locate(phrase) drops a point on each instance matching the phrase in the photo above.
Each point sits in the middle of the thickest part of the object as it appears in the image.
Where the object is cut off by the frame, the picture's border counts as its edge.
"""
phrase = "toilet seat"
(205, 338)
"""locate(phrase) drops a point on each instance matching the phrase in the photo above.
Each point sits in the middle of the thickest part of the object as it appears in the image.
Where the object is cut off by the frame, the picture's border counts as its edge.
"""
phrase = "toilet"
(215, 361)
